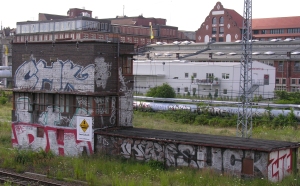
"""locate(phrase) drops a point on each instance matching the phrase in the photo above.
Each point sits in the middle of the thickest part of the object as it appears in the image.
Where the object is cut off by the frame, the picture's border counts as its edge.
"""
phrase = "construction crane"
(244, 121)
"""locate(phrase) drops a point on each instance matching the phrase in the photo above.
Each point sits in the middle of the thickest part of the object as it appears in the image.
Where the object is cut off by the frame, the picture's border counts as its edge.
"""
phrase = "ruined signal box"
(66, 90)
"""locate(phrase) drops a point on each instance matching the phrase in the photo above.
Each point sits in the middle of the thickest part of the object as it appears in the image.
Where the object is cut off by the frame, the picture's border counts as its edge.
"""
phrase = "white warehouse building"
(219, 79)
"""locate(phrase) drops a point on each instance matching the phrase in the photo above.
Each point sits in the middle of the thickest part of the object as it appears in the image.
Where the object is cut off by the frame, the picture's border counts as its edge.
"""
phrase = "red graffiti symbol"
(30, 138)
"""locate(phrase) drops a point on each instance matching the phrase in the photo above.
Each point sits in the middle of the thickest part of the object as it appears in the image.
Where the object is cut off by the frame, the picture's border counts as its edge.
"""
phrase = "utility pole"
(244, 121)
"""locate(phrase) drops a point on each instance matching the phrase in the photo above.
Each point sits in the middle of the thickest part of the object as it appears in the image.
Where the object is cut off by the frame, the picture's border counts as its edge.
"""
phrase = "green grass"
(100, 169)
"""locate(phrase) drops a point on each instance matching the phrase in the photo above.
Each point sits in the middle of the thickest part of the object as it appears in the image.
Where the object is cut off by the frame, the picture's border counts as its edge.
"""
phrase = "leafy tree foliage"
(163, 91)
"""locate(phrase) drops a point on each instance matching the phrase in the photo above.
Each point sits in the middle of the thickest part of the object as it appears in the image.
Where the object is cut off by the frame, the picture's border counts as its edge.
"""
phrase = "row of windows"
(293, 30)
(208, 75)
(62, 26)
(62, 103)
(214, 20)
(194, 90)
(221, 30)
(51, 37)
(294, 81)
(277, 31)
(295, 69)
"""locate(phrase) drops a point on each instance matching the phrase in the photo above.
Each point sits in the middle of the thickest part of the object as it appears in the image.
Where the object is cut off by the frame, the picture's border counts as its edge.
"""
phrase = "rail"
(19, 179)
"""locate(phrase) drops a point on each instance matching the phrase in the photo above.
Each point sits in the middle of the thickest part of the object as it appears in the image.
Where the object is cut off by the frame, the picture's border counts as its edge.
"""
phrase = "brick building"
(79, 24)
(225, 25)
(65, 91)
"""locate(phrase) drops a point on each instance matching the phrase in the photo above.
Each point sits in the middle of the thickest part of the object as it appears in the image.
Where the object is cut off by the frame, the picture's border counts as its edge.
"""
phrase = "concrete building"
(220, 79)
(225, 25)
(63, 92)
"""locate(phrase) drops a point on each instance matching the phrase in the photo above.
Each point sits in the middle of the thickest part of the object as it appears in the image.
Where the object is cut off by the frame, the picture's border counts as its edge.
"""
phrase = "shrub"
(163, 91)
(3, 100)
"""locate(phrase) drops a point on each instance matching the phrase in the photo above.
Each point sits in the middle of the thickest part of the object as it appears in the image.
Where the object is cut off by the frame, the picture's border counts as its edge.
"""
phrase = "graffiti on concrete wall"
(112, 118)
(102, 72)
(280, 164)
(24, 136)
(222, 160)
(22, 107)
(60, 76)
(126, 102)
(52, 116)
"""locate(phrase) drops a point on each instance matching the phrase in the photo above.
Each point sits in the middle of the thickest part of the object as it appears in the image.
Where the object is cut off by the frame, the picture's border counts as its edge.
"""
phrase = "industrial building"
(218, 79)
(283, 55)
(79, 24)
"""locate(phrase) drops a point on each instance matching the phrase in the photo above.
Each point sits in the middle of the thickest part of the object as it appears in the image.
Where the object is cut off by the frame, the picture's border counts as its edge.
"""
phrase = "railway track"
(20, 179)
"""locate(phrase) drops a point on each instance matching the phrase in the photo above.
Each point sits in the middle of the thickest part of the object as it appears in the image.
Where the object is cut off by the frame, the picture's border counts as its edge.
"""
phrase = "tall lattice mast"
(244, 121)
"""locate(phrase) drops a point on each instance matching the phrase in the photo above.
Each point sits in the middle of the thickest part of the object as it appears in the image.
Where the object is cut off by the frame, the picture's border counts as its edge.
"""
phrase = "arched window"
(214, 21)
(221, 20)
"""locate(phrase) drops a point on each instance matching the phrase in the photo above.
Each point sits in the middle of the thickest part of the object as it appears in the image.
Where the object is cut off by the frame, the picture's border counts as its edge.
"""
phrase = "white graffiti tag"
(65, 76)
(102, 72)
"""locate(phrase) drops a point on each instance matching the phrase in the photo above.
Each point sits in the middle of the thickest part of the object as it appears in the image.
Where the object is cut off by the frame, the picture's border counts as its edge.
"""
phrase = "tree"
(163, 91)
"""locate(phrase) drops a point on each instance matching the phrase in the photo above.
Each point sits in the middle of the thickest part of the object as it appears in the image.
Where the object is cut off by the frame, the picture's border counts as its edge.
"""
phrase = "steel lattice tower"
(244, 121)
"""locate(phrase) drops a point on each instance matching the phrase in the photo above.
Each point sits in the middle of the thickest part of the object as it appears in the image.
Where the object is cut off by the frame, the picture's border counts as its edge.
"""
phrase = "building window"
(283, 81)
(126, 65)
(214, 30)
(213, 39)
(221, 20)
(186, 75)
(214, 21)
(264, 32)
(277, 81)
(194, 75)
(280, 66)
(186, 89)
(293, 81)
(297, 66)
(276, 31)
(136, 40)
(225, 76)
(40, 132)
(224, 91)
(221, 30)
(102, 37)
(221, 39)
(209, 75)
(178, 90)
(281, 88)
(62, 103)
(122, 39)
(255, 31)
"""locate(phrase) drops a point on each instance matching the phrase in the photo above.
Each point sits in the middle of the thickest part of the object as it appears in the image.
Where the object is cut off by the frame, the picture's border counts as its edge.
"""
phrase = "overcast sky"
(185, 14)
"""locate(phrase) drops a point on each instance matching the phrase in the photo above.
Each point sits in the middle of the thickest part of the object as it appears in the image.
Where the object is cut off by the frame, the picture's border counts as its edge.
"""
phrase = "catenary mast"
(244, 121)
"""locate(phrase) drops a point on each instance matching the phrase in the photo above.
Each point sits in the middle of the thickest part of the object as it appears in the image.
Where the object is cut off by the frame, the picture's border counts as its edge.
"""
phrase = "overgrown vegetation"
(284, 97)
(4, 97)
